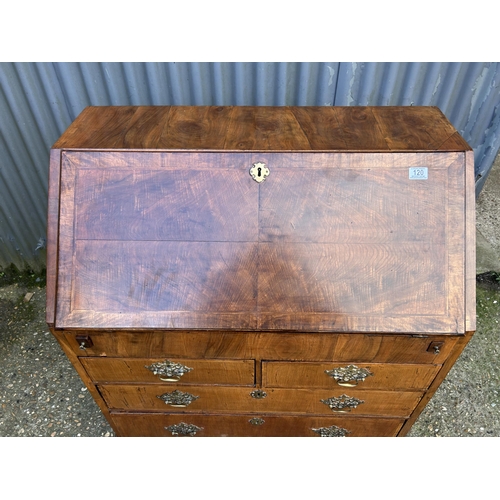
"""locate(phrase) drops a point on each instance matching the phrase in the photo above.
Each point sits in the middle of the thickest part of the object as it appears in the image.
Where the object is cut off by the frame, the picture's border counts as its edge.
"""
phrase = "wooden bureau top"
(365, 223)
(263, 128)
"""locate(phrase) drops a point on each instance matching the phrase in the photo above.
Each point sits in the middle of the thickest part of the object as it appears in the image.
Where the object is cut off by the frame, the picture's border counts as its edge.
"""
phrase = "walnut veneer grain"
(162, 247)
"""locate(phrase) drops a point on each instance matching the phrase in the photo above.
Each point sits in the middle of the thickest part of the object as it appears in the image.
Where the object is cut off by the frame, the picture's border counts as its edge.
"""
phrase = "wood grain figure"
(354, 250)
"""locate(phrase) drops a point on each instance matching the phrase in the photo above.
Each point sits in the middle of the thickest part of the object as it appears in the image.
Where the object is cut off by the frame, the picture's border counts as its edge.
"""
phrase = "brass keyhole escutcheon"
(259, 172)
(258, 394)
(257, 421)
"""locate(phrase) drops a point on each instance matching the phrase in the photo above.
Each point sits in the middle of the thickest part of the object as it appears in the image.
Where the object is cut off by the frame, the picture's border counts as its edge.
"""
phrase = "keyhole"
(259, 171)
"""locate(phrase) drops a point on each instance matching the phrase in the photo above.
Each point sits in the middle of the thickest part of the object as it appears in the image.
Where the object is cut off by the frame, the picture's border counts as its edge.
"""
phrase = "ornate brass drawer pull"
(258, 394)
(177, 398)
(342, 404)
(169, 371)
(257, 421)
(332, 431)
(349, 376)
(183, 429)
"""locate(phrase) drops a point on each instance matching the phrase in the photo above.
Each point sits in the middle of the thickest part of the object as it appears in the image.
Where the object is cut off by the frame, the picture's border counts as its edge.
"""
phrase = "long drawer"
(155, 425)
(237, 399)
(361, 375)
(161, 370)
(362, 348)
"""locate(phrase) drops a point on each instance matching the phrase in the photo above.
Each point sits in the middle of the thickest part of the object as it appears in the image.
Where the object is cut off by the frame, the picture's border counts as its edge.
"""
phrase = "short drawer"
(239, 399)
(155, 425)
(173, 370)
(360, 375)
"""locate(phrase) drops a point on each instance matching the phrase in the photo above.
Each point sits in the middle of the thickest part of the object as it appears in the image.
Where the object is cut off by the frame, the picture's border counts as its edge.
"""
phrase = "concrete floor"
(488, 222)
(41, 394)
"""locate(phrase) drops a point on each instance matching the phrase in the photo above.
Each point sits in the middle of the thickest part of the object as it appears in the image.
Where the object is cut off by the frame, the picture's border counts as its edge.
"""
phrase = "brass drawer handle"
(178, 399)
(169, 371)
(183, 429)
(349, 376)
(332, 431)
(342, 404)
(258, 394)
(257, 421)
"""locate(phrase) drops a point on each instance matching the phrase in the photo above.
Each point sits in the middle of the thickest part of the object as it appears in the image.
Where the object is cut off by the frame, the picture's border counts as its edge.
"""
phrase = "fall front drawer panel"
(239, 399)
(155, 425)
(364, 376)
(160, 370)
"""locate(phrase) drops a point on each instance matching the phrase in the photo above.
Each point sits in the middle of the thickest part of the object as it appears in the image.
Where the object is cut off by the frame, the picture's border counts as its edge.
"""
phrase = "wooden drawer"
(358, 348)
(187, 371)
(377, 376)
(154, 425)
(238, 399)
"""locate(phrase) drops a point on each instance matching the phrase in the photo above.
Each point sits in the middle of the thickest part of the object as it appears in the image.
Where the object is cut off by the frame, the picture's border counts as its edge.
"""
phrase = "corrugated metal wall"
(39, 100)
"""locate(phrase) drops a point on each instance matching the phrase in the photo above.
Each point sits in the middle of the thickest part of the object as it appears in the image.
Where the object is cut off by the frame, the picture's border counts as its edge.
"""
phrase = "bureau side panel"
(52, 233)
(470, 235)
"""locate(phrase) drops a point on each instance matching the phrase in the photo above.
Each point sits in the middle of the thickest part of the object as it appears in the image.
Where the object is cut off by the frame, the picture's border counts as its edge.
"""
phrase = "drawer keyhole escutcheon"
(177, 399)
(169, 371)
(259, 172)
(257, 421)
(349, 376)
(258, 394)
(183, 429)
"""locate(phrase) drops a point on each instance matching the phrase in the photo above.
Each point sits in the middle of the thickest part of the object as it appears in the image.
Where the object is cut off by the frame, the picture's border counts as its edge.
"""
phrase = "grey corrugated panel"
(137, 83)
(467, 93)
(39, 100)
(23, 177)
(482, 122)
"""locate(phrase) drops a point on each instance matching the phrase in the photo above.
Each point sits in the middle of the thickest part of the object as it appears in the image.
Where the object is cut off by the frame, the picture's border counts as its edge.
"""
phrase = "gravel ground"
(40, 392)
(467, 403)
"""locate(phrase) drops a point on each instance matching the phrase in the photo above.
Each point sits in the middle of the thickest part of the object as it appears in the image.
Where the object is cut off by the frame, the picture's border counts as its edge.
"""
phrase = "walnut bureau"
(261, 271)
